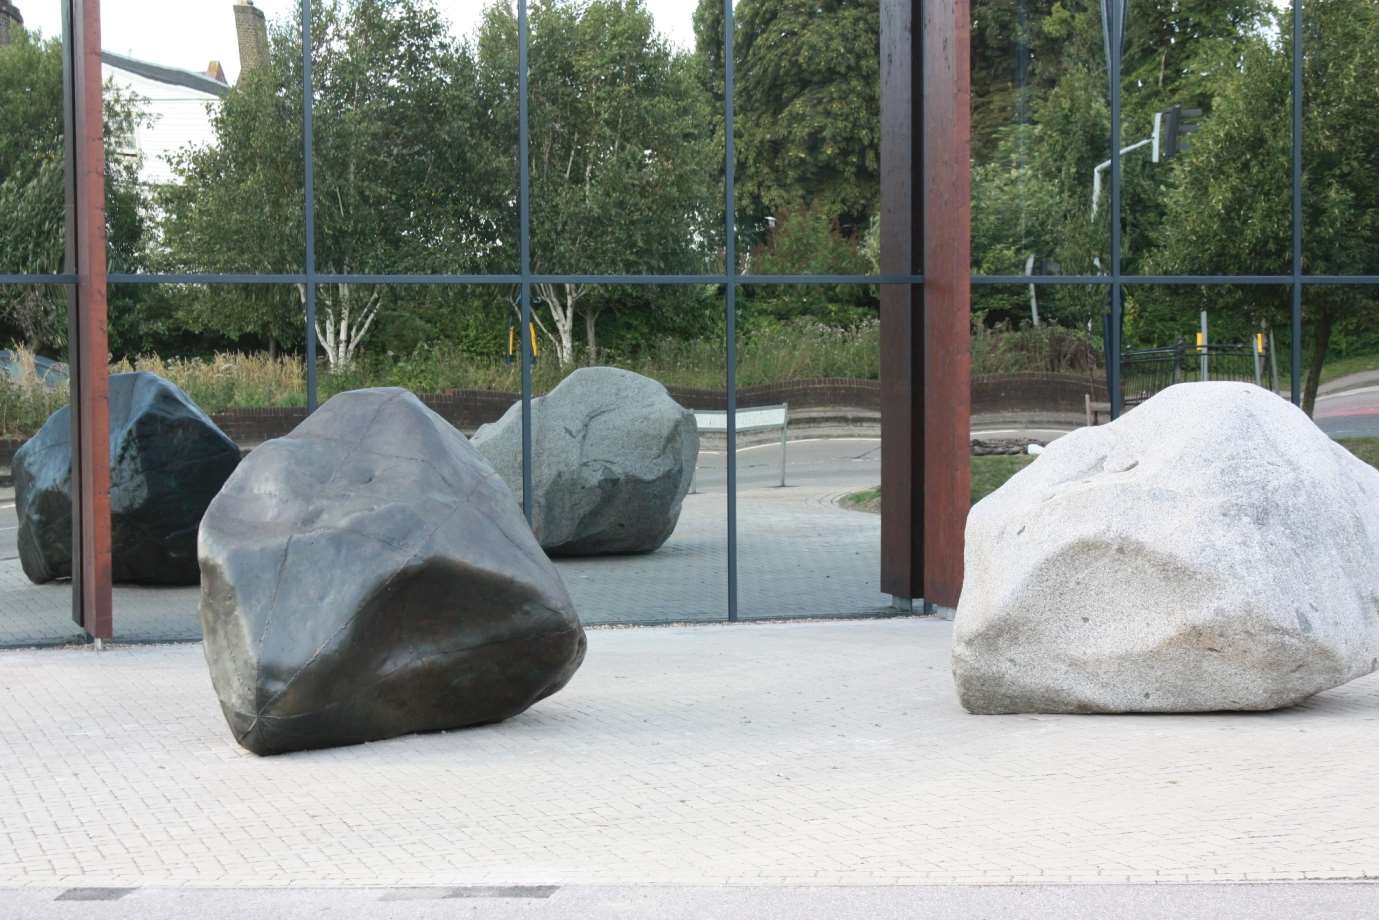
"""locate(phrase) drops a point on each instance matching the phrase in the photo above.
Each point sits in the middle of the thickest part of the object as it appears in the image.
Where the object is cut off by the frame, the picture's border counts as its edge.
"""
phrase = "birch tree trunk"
(341, 322)
(560, 300)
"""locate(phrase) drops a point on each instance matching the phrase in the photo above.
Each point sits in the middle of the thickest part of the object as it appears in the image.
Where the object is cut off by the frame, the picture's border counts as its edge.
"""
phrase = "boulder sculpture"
(1210, 550)
(613, 458)
(369, 575)
(167, 461)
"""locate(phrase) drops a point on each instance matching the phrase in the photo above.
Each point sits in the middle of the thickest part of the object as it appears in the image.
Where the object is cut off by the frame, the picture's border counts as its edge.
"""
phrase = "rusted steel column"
(86, 319)
(925, 357)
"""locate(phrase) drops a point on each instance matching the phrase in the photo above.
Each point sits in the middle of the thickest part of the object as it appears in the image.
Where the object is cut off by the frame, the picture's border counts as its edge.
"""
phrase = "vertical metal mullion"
(730, 294)
(309, 208)
(1295, 357)
(524, 231)
(85, 254)
(1113, 347)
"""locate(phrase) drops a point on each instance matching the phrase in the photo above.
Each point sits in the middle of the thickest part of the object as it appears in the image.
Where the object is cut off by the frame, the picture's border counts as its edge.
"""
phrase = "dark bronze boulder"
(369, 575)
(167, 461)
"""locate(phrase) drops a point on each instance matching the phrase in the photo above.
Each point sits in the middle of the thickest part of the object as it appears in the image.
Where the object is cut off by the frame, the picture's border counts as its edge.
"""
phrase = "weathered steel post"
(86, 317)
(925, 357)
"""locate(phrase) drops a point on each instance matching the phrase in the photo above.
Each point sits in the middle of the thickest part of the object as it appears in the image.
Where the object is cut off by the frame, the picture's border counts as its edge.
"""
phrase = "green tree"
(1224, 207)
(406, 179)
(31, 188)
(622, 172)
(1041, 123)
(807, 106)
(808, 241)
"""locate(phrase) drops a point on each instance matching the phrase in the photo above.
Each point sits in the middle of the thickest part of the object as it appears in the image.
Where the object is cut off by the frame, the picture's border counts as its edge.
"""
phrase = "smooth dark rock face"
(368, 576)
(613, 458)
(167, 461)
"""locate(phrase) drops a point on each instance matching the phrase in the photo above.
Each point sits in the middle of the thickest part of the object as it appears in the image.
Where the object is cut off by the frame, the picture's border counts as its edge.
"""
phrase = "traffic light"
(1171, 129)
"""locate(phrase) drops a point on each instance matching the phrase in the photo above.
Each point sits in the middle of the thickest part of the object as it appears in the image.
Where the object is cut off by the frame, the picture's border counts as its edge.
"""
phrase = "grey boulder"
(368, 576)
(1210, 550)
(167, 461)
(613, 458)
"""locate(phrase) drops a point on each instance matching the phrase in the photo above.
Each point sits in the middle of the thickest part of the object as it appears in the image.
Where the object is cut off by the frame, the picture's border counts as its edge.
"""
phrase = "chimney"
(10, 22)
(252, 31)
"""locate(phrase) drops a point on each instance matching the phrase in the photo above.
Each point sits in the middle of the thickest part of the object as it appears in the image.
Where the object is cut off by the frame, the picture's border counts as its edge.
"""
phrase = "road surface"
(1350, 413)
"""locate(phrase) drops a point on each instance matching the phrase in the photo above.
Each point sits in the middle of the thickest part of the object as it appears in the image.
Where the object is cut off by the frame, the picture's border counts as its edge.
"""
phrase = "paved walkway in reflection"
(800, 554)
(813, 754)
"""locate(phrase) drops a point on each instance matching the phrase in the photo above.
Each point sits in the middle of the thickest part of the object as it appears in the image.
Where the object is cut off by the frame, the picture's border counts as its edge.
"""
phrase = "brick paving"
(818, 753)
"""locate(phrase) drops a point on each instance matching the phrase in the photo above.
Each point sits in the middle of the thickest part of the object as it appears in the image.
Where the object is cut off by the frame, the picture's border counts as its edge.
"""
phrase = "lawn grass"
(1367, 449)
(1340, 367)
(990, 473)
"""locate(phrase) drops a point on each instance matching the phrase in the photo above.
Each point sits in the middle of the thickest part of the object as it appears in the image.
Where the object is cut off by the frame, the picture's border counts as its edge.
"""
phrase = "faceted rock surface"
(613, 457)
(1210, 550)
(167, 461)
(369, 575)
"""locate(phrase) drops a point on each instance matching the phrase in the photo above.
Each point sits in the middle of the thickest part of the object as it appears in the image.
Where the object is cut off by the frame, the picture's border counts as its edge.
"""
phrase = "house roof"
(170, 75)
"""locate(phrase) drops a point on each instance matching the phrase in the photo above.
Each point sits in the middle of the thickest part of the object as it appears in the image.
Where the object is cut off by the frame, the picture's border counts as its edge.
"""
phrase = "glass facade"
(379, 196)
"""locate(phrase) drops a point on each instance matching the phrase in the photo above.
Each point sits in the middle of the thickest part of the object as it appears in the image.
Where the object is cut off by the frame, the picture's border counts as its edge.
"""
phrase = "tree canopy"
(31, 190)
(416, 171)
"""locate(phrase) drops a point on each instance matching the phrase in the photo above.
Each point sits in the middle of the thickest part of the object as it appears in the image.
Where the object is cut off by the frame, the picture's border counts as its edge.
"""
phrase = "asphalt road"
(1349, 414)
(844, 462)
(834, 462)
(1240, 901)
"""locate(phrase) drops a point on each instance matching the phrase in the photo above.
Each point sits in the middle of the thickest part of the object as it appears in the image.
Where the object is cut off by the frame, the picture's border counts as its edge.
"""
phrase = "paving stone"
(792, 753)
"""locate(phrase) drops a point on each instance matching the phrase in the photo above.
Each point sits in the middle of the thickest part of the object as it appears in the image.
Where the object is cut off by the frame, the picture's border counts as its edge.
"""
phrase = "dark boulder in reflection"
(613, 458)
(167, 461)
(369, 575)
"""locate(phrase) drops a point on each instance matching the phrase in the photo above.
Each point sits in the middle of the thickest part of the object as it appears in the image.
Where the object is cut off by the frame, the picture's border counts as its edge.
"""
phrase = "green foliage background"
(416, 172)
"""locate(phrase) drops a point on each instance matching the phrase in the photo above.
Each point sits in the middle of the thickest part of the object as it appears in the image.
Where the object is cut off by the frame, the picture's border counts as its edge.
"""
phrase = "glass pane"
(31, 178)
(807, 111)
(1041, 126)
(415, 141)
(1218, 332)
(204, 118)
(1206, 97)
(1340, 137)
(156, 591)
(808, 456)
(633, 512)
(1340, 352)
(1033, 380)
(626, 169)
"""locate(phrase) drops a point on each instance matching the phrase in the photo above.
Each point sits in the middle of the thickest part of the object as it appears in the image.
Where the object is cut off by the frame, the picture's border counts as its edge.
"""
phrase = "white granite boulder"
(613, 457)
(1210, 550)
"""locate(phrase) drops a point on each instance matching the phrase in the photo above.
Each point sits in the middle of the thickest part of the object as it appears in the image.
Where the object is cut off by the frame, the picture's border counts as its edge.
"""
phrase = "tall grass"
(774, 354)
(26, 402)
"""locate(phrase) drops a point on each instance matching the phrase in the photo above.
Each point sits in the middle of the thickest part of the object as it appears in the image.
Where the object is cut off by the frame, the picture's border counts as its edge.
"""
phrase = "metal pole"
(1202, 360)
(524, 205)
(1114, 44)
(784, 436)
(1296, 349)
(730, 293)
(85, 256)
(1273, 361)
(309, 211)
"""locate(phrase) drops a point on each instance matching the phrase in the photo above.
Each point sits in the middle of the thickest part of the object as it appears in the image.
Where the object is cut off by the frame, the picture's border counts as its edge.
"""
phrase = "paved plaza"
(810, 753)
(800, 554)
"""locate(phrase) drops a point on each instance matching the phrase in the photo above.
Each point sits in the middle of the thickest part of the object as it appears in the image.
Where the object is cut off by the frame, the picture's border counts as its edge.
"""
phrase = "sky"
(188, 34)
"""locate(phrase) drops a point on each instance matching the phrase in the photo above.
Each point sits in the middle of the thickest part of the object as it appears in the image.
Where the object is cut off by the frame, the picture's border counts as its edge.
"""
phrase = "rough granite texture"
(167, 461)
(613, 458)
(369, 575)
(1210, 550)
